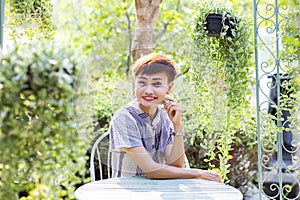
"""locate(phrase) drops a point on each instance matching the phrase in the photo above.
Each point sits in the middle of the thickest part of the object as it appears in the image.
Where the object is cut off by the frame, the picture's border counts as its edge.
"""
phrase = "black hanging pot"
(214, 24)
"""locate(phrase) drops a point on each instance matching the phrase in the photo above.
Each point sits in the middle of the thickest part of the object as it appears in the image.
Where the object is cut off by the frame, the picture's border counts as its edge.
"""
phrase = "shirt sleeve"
(171, 137)
(168, 128)
(124, 131)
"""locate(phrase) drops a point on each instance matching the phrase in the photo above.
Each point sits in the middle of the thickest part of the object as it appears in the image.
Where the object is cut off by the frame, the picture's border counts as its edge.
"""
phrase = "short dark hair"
(155, 63)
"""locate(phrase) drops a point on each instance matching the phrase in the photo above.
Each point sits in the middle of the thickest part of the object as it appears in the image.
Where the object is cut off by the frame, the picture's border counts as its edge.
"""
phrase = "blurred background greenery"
(65, 69)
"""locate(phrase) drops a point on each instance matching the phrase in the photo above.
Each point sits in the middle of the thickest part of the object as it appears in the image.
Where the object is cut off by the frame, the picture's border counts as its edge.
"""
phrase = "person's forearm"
(155, 170)
(176, 157)
(167, 172)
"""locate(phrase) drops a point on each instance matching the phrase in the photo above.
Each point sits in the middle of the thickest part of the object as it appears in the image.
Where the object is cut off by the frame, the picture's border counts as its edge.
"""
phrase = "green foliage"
(112, 91)
(291, 42)
(42, 156)
(105, 31)
(220, 81)
(30, 18)
(104, 34)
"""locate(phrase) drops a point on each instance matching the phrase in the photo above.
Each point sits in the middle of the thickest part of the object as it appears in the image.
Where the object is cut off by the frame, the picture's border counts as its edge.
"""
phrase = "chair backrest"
(186, 162)
(96, 157)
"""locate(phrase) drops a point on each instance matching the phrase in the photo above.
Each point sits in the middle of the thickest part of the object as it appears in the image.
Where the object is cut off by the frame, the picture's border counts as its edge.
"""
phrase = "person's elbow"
(154, 175)
(157, 172)
(150, 175)
(178, 163)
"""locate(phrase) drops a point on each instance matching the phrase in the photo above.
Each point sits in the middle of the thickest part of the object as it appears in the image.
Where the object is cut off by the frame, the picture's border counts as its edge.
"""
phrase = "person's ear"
(170, 86)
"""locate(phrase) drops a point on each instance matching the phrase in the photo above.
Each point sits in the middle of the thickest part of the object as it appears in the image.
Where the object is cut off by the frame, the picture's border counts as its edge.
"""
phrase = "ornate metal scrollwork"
(278, 146)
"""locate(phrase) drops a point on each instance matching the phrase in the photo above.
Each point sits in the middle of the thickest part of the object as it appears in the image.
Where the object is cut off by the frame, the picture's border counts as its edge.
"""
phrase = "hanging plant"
(30, 18)
(217, 23)
(220, 78)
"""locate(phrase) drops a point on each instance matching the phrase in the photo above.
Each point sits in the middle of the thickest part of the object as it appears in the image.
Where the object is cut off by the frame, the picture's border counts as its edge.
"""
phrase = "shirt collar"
(142, 114)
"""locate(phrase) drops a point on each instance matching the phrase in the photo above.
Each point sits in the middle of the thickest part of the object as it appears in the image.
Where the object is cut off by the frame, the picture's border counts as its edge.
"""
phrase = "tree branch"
(129, 45)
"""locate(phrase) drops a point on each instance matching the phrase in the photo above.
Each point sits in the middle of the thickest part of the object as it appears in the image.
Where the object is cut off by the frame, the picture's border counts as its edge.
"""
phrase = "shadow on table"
(179, 189)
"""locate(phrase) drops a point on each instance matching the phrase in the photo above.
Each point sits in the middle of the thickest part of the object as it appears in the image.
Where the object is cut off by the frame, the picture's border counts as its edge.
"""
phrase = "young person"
(146, 135)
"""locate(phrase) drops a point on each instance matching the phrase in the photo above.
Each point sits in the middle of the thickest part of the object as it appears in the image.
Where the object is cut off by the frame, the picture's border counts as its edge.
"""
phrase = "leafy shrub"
(42, 156)
(30, 18)
(113, 90)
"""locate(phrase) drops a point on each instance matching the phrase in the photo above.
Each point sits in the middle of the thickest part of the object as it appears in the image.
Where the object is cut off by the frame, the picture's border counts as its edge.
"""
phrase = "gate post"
(275, 125)
(2, 5)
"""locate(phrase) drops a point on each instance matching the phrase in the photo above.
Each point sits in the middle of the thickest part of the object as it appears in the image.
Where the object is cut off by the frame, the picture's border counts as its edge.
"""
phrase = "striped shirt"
(131, 127)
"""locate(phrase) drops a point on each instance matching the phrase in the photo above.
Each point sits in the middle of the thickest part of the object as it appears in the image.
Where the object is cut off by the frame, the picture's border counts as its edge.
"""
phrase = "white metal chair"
(96, 153)
(186, 162)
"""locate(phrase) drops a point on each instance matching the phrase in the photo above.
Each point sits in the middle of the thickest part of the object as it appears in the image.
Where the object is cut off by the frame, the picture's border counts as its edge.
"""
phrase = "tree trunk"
(146, 16)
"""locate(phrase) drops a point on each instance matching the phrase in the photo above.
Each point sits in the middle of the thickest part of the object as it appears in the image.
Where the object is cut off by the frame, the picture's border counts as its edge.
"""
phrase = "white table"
(142, 188)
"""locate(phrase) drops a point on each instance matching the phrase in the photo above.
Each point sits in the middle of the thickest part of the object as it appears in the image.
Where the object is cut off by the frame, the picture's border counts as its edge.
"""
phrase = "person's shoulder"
(123, 111)
(123, 117)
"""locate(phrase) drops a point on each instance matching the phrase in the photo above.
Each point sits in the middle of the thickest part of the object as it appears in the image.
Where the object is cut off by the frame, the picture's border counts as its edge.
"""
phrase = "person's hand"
(209, 175)
(174, 112)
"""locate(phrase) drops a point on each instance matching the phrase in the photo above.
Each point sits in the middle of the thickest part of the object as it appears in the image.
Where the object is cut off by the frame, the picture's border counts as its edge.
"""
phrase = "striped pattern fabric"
(131, 127)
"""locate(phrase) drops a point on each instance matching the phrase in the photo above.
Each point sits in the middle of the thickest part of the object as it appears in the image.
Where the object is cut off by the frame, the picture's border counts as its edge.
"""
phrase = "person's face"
(150, 90)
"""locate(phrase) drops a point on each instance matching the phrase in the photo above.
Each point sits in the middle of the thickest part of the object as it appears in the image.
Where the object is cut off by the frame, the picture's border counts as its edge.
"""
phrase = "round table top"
(143, 188)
